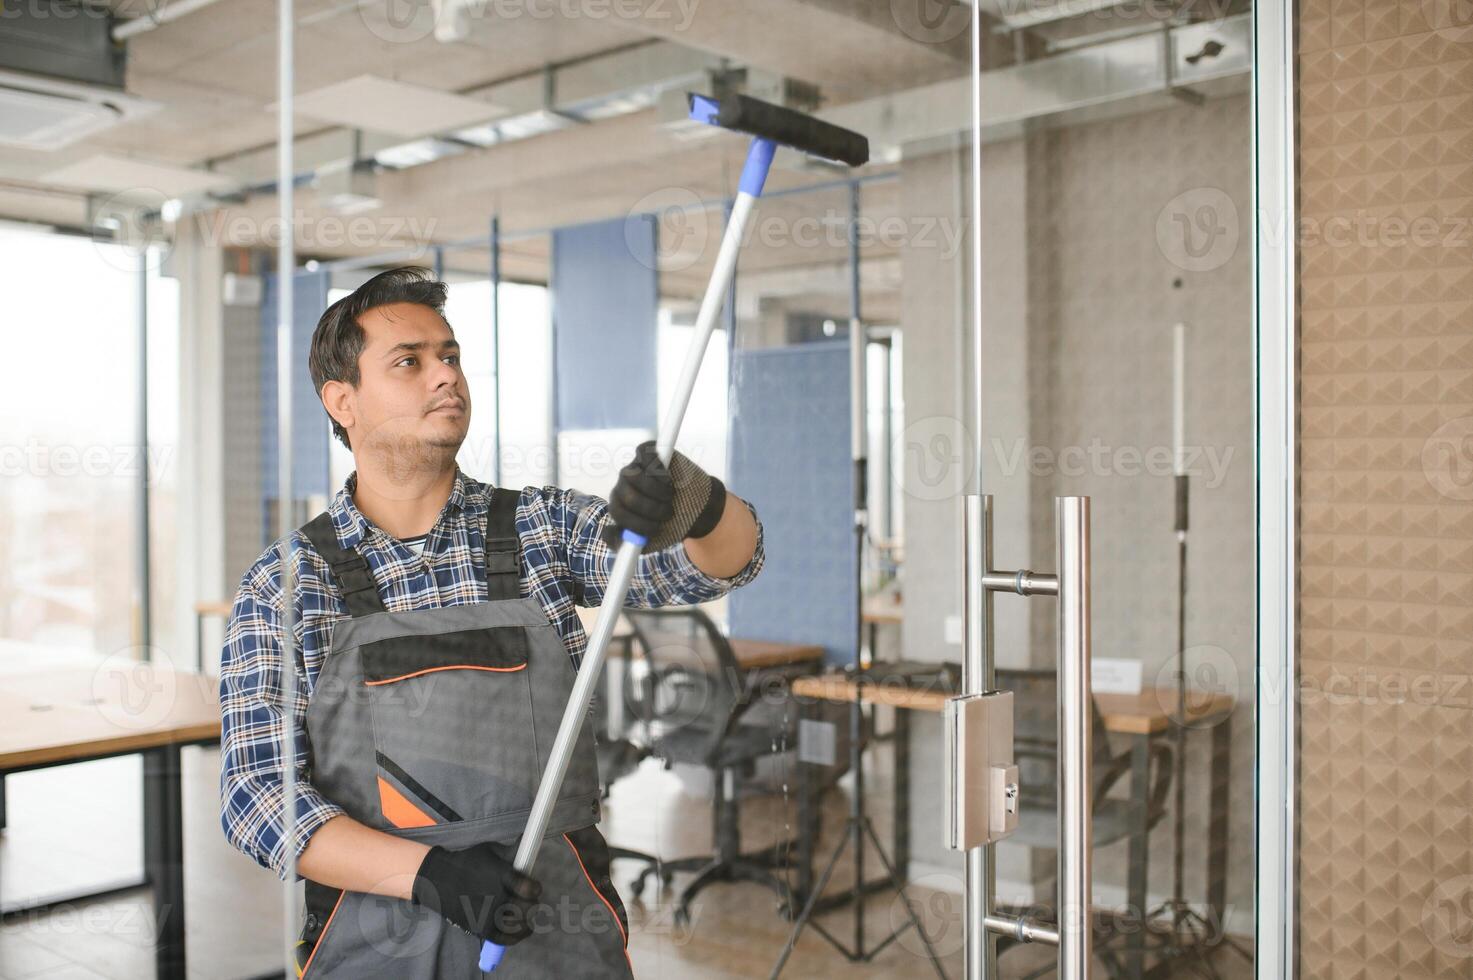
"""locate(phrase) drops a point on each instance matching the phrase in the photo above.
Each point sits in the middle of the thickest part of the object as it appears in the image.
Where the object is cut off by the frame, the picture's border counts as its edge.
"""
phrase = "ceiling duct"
(601, 86)
(1112, 78)
(61, 75)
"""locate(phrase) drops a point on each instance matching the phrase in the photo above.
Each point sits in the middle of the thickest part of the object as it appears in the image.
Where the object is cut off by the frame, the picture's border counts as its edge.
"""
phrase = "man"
(435, 649)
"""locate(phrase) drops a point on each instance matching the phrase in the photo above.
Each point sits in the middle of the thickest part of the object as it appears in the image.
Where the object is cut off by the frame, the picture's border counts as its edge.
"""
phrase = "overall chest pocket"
(452, 720)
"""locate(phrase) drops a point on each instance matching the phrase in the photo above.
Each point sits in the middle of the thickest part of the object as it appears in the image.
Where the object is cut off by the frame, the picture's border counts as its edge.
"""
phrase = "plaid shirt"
(564, 563)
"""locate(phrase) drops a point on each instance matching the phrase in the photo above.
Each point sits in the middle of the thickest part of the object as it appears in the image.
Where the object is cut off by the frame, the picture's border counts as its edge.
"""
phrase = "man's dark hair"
(339, 339)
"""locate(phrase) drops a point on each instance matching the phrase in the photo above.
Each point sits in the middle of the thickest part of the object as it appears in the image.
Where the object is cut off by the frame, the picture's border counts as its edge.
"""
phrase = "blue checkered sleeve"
(253, 714)
(662, 578)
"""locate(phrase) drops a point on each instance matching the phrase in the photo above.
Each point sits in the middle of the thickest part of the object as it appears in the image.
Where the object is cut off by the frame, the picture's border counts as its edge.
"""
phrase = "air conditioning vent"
(61, 74)
(49, 122)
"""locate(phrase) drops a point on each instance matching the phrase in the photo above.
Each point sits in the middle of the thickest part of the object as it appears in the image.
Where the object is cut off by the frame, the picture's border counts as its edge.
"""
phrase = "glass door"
(1108, 298)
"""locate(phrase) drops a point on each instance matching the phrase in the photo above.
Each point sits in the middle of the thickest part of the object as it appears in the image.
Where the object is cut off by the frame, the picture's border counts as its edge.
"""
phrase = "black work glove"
(478, 890)
(664, 505)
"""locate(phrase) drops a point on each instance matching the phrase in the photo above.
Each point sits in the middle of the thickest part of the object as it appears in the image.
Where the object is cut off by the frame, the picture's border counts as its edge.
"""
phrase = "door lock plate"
(982, 781)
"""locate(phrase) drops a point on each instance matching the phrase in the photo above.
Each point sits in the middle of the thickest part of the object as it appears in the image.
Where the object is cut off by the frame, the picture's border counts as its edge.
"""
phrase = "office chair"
(618, 756)
(1035, 749)
(703, 708)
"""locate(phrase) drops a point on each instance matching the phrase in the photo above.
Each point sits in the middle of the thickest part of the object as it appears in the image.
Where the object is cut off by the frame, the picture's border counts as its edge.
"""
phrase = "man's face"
(412, 405)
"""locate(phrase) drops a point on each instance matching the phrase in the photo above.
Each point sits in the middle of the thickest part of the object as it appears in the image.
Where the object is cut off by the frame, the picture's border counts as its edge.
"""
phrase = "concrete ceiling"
(214, 73)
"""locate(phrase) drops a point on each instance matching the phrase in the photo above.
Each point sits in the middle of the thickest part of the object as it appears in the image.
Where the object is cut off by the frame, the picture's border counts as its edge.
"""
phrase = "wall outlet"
(953, 629)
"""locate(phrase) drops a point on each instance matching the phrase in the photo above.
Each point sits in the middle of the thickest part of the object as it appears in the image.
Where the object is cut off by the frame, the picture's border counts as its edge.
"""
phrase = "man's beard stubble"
(402, 457)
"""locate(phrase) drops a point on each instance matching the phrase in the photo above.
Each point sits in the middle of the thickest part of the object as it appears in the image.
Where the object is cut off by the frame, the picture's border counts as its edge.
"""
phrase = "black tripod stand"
(1185, 933)
(856, 829)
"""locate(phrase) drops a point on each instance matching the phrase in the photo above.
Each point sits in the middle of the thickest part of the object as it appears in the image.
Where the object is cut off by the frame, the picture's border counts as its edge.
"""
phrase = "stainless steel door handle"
(1071, 585)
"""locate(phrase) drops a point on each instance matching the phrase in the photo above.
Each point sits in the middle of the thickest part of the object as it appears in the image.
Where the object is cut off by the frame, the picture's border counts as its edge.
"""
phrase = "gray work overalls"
(435, 725)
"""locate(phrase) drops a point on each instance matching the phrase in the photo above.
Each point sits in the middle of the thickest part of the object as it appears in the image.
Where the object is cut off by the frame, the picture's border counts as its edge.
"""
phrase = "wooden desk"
(1143, 717)
(756, 654)
(1126, 714)
(59, 711)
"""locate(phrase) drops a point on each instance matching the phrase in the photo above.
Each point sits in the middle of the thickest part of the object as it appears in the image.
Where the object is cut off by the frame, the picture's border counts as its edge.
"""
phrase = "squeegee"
(769, 126)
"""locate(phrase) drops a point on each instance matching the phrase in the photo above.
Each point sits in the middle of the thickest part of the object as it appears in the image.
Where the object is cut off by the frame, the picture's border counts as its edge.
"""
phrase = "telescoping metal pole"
(769, 125)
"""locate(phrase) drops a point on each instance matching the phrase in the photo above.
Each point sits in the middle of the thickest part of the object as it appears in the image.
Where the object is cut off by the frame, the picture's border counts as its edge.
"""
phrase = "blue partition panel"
(311, 428)
(605, 307)
(790, 457)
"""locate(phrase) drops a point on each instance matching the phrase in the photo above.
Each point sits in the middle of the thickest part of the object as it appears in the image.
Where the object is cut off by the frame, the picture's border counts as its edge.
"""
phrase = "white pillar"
(197, 261)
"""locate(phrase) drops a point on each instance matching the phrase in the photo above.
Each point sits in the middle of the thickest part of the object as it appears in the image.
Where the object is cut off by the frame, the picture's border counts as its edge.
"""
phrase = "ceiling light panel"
(384, 106)
(108, 173)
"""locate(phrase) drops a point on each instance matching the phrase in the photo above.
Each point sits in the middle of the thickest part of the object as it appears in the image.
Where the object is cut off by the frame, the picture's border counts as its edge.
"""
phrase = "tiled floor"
(63, 834)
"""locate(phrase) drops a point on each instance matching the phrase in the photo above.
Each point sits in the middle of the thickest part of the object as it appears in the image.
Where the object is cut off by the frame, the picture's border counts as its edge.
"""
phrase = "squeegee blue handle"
(491, 954)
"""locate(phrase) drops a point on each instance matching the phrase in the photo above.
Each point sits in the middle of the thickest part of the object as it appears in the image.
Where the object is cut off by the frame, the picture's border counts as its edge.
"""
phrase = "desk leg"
(1217, 827)
(901, 830)
(1140, 782)
(808, 820)
(163, 856)
(2, 802)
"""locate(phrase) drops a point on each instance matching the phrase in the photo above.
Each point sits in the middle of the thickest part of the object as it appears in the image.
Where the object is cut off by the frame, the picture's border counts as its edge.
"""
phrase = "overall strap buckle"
(349, 569)
(503, 547)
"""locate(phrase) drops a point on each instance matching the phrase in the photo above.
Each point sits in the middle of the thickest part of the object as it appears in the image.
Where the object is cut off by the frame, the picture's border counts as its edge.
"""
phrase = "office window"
(69, 452)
